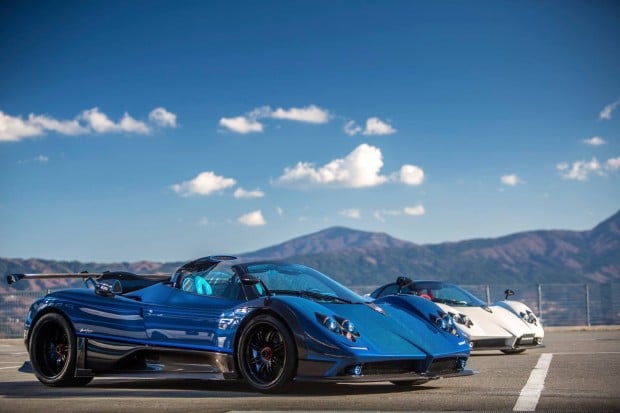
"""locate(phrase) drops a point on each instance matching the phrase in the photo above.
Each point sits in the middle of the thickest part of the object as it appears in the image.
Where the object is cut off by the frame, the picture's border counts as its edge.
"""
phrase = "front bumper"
(382, 370)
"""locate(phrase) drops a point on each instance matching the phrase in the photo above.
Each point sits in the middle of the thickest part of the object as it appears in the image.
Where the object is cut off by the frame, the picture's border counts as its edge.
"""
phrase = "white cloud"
(361, 168)
(241, 124)
(358, 169)
(242, 193)
(64, 127)
(410, 175)
(252, 219)
(352, 213)
(280, 211)
(250, 121)
(381, 214)
(129, 124)
(417, 210)
(352, 129)
(580, 170)
(607, 110)
(203, 222)
(374, 126)
(204, 183)
(612, 164)
(511, 180)
(39, 158)
(311, 114)
(595, 141)
(14, 128)
(98, 121)
(161, 117)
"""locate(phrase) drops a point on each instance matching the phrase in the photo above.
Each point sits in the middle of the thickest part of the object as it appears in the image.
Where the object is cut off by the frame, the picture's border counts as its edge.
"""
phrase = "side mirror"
(508, 293)
(402, 282)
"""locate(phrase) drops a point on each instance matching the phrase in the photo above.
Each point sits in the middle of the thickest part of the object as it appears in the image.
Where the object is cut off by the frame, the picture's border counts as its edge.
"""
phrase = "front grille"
(525, 340)
(489, 343)
(391, 367)
(445, 366)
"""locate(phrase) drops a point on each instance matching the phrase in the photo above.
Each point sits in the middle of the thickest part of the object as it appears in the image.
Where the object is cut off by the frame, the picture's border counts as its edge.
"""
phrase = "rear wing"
(128, 281)
(108, 275)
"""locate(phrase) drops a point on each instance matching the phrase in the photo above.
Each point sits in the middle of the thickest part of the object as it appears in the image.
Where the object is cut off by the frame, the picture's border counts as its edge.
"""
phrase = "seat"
(202, 286)
(196, 284)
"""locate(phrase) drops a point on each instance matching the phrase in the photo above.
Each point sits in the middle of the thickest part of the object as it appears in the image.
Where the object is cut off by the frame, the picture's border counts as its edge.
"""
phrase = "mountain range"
(360, 258)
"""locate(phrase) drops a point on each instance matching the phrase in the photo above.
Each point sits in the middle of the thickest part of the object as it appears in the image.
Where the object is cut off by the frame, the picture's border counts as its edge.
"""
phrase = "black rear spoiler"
(108, 275)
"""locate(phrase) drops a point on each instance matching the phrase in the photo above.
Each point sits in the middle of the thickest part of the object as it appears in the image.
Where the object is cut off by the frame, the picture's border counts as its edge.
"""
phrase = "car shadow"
(194, 388)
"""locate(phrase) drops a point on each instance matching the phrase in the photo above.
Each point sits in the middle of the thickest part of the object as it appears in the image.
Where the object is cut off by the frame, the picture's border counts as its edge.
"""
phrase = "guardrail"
(555, 304)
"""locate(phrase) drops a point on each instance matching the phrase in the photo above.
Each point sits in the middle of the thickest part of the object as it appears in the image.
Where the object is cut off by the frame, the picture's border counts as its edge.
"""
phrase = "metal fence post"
(540, 311)
(587, 305)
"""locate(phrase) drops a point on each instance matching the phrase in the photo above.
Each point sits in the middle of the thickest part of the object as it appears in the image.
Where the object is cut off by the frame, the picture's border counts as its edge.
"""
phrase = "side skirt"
(97, 357)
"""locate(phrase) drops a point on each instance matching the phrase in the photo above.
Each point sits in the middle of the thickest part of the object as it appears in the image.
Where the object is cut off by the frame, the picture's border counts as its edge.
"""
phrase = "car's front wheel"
(266, 354)
(53, 352)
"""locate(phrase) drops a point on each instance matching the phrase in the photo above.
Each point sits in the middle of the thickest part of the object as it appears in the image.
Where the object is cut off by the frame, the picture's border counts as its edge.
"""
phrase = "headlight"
(348, 326)
(462, 319)
(331, 325)
(445, 322)
(338, 325)
(529, 317)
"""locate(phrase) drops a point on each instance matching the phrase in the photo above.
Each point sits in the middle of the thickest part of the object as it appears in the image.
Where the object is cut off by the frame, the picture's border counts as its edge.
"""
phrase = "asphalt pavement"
(578, 370)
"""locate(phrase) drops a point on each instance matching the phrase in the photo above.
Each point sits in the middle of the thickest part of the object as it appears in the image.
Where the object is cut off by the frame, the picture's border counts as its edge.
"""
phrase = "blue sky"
(171, 130)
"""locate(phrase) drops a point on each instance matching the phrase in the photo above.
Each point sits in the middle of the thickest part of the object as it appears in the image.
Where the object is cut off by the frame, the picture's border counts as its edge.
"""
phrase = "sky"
(170, 130)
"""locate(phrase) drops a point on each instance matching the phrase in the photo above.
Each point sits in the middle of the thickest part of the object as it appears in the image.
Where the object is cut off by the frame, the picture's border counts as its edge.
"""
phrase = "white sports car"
(507, 325)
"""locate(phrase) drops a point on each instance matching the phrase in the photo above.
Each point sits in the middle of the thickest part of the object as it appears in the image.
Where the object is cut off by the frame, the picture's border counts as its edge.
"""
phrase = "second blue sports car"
(268, 323)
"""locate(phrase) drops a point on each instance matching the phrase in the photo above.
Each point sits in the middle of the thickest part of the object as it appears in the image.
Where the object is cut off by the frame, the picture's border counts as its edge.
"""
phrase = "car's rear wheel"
(53, 352)
(266, 354)
(513, 351)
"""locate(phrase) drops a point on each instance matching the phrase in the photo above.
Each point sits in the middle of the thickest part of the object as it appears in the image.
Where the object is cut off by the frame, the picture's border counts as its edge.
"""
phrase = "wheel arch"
(40, 314)
(292, 324)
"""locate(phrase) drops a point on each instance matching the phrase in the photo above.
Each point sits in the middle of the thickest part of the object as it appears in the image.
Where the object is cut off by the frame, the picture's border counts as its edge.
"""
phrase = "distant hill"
(330, 240)
(366, 258)
(545, 256)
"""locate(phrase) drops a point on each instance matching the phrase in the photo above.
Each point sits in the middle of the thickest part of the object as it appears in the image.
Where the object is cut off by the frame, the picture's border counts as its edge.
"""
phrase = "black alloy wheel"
(266, 354)
(53, 352)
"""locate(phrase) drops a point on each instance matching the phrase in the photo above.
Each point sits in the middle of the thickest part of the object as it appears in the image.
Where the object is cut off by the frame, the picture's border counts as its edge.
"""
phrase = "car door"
(198, 314)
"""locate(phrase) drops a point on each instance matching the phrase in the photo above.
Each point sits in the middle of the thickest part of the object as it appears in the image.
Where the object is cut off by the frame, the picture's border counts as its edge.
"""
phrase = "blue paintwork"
(166, 318)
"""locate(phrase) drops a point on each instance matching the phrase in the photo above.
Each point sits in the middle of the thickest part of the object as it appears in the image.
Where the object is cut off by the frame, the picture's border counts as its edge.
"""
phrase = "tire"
(53, 352)
(266, 354)
(513, 351)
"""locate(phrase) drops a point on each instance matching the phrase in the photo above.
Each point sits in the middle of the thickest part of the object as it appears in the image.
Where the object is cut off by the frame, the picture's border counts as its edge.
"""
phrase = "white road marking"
(530, 393)
(10, 367)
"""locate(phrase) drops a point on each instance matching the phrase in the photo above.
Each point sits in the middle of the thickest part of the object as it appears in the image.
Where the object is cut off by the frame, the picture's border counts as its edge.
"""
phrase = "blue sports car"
(220, 317)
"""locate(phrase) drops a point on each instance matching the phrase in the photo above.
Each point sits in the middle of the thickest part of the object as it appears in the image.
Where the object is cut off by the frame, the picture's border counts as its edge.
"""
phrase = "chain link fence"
(555, 304)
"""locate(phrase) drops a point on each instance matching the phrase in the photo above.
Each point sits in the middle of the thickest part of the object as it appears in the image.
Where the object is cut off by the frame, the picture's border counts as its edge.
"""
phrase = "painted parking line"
(9, 367)
(530, 393)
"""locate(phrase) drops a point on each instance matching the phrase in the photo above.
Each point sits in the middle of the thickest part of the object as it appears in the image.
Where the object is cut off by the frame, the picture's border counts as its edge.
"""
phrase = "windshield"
(293, 279)
(445, 293)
